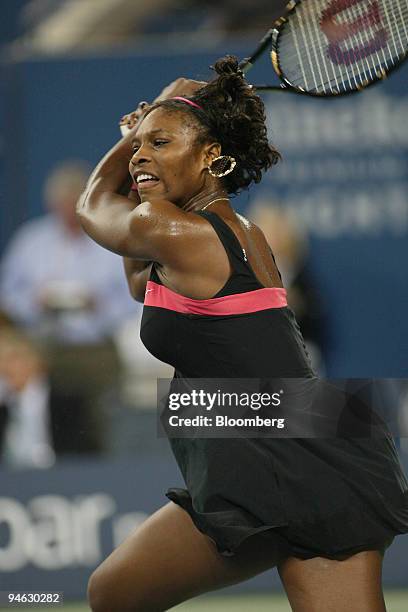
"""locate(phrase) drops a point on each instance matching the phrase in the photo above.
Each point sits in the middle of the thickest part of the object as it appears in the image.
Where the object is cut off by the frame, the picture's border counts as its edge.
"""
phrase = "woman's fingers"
(132, 118)
(180, 87)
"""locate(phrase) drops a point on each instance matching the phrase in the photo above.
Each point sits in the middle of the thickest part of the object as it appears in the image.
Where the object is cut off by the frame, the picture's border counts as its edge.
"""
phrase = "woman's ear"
(211, 151)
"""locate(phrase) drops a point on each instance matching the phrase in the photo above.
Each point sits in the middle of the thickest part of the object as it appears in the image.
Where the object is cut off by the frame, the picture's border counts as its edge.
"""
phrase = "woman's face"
(167, 161)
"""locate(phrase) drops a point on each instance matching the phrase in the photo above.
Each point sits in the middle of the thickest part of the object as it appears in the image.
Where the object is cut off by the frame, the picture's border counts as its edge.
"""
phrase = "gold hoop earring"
(222, 161)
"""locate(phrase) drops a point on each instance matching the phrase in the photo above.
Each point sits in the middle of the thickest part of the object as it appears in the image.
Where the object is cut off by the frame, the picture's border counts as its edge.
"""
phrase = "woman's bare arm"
(112, 220)
(104, 213)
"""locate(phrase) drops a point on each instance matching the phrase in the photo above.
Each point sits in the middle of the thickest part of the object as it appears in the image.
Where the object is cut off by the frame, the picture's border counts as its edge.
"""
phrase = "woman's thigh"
(350, 585)
(168, 560)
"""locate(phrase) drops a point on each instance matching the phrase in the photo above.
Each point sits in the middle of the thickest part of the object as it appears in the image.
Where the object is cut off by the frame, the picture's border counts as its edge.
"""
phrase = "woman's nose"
(139, 157)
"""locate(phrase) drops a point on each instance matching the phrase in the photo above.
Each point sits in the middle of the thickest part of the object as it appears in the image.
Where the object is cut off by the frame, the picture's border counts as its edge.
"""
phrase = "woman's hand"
(180, 87)
(128, 122)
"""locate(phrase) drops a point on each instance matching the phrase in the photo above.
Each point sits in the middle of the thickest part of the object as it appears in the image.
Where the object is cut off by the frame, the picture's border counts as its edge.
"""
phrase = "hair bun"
(228, 66)
(235, 118)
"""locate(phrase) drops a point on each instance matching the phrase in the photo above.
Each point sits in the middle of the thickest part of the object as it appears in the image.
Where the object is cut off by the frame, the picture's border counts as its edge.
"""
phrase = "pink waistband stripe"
(238, 303)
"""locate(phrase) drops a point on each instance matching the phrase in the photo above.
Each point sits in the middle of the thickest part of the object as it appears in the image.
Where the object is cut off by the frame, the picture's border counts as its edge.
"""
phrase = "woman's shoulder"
(157, 205)
(165, 213)
(166, 210)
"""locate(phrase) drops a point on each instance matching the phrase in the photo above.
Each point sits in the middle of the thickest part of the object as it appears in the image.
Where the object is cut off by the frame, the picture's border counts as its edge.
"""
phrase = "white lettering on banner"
(13, 556)
(374, 119)
(49, 541)
(90, 511)
(333, 169)
(52, 531)
(345, 164)
(328, 215)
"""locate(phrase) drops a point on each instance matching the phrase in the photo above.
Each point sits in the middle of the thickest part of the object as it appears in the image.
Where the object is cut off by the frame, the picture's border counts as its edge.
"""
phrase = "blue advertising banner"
(57, 525)
(344, 177)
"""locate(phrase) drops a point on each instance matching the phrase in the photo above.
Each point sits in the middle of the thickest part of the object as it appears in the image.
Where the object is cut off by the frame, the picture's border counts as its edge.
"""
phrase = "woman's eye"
(159, 143)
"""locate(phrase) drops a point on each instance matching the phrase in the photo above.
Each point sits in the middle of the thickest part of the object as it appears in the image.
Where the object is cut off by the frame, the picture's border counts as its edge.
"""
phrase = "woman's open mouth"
(146, 181)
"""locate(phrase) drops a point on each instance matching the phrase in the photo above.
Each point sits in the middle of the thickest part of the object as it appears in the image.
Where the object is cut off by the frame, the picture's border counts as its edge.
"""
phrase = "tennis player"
(322, 511)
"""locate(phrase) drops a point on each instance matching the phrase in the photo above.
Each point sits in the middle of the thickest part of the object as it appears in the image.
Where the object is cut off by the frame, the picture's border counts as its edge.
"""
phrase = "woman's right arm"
(137, 271)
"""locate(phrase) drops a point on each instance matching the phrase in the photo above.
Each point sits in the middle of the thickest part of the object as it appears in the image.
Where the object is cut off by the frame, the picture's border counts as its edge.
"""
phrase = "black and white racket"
(335, 47)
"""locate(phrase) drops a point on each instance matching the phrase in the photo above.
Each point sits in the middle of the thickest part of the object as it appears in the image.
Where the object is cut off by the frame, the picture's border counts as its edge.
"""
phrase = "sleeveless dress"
(326, 497)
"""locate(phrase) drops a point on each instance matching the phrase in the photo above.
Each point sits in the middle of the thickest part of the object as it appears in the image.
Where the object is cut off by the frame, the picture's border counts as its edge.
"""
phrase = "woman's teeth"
(146, 177)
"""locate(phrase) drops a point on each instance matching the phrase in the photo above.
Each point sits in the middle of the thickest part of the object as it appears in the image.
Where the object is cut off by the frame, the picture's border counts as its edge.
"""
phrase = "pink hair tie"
(187, 101)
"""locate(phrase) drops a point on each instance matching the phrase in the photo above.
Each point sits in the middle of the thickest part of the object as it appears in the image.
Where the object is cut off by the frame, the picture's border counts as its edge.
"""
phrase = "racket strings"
(330, 79)
(367, 70)
(304, 46)
(363, 37)
(400, 21)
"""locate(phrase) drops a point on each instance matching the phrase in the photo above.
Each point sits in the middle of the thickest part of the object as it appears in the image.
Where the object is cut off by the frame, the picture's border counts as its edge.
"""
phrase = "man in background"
(38, 422)
(67, 292)
(54, 281)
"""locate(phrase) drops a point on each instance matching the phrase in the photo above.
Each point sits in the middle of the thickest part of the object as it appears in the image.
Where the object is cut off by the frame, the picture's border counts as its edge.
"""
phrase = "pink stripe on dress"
(238, 303)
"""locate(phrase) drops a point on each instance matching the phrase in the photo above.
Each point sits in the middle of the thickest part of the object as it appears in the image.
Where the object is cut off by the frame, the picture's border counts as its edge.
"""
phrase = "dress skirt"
(327, 498)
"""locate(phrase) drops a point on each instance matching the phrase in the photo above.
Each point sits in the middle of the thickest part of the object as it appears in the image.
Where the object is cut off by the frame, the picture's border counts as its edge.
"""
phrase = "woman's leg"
(350, 585)
(168, 560)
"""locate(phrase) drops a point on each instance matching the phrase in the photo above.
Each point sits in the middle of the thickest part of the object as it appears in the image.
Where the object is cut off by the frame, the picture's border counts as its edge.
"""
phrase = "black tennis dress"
(326, 497)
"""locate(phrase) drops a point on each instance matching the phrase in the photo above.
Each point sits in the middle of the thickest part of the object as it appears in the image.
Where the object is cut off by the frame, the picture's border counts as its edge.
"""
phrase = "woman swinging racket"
(321, 511)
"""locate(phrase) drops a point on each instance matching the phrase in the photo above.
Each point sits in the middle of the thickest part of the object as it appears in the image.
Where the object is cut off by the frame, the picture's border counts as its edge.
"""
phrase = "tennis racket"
(335, 47)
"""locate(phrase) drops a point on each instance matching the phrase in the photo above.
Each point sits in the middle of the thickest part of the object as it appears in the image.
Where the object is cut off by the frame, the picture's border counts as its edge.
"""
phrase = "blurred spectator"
(68, 292)
(289, 245)
(36, 421)
(54, 280)
(5, 321)
(140, 368)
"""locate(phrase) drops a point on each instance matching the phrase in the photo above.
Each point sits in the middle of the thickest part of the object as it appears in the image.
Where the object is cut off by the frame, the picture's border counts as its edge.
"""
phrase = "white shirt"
(42, 253)
(27, 438)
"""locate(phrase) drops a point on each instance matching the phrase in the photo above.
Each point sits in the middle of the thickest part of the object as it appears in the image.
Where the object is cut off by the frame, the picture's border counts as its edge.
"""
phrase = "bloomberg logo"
(55, 532)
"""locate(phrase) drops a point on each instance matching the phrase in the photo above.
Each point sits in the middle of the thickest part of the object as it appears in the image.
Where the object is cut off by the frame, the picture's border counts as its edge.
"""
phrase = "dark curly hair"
(234, 116)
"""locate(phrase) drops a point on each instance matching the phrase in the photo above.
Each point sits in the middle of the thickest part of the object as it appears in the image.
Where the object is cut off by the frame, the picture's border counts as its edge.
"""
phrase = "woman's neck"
(205, 198)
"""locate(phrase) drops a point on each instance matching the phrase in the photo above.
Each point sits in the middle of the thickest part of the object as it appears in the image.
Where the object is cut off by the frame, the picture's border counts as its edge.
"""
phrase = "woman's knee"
(98, 594)
(104, 594)
(350, 584)
(113, 591)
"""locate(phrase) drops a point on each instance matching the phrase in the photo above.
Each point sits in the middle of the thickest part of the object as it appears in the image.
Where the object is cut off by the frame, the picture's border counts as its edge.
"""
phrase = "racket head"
(336, 47)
